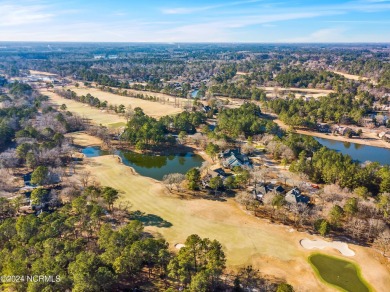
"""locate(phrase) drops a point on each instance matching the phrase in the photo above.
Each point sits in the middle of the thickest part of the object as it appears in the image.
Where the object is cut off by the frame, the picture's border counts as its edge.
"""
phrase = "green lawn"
(342, 274)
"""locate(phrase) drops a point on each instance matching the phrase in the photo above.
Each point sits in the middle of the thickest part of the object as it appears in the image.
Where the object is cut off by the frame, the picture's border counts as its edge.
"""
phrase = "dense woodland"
(244, 121)
(334, 108)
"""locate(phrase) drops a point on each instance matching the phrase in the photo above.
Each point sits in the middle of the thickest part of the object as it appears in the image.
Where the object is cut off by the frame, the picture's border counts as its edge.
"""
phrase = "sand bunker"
(179, 245)
(342, 247)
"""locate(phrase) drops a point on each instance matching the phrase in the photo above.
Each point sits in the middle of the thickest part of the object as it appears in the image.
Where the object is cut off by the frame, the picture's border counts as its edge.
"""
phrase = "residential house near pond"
(231, 158)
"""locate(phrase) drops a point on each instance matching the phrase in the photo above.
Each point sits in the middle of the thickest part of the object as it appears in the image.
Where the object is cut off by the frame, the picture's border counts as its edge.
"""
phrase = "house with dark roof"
(260, 190)
(231, 158)
(206, 108)
(294, 196)
(275, 188)
(323, 128)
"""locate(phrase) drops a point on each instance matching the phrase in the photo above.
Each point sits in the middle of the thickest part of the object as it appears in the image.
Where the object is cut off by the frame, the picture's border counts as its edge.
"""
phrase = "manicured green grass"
(342, 274)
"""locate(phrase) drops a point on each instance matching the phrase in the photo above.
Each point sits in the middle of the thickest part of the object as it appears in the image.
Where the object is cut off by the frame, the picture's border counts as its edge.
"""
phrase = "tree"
(242, 176)
(198, 256)
(193, 177)
(249, 277)
(336, 213)
(216, 183)
(110, 195)
(362, 192)
(84, 178)
(212, 150)
(284, 162)
(382, 242)
(121, 108)
(63, 107)
(8, 159)
(39, 175)
(182, 136)
(129, 263)
(247, 200)
(17, 202)
(200, 282)
(351, 206)
(322, 226)
(27, 227)
(38, 196)
(384, 204)
(173, 179)
(229, 182)
(278, 201)
(89, 273)
(22, 150)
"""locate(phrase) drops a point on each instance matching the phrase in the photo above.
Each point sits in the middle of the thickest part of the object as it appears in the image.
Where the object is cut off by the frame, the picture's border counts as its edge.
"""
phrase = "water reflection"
(358, 152)
(154, 166)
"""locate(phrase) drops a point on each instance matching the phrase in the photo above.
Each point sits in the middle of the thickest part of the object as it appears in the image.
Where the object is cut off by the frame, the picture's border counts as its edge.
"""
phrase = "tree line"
(336, 108)
(145, 132)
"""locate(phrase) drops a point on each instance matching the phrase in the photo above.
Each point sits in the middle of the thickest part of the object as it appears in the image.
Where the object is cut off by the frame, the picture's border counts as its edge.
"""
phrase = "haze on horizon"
(196, 21)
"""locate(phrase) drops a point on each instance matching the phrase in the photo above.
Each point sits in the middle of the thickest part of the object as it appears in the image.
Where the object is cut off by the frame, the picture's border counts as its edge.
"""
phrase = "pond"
(358, 152)
(154, 166)
(194, 93)
(338, 272)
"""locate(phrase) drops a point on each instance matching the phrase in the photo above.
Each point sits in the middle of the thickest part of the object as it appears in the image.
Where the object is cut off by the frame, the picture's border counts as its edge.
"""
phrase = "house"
(213, 173)
(99, 57)
(323, 128)
(220, 172)
(206, 108)
(259, 192)
(231, 158)
(275, 188)
(294, 196)
(385, 135)
(344, 131)
(279, 189)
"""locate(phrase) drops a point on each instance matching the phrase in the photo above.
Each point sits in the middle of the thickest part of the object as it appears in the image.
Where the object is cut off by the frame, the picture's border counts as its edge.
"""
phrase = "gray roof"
(295, 196)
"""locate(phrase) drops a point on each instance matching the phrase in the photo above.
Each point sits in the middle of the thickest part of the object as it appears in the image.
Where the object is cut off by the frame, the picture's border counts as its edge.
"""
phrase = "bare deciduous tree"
(9, 159)
(85, 177)
(173, 180)
(382, 242)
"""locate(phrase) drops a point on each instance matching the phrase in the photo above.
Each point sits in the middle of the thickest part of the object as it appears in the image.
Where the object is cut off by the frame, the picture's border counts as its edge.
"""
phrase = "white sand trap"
(342, 247)
(179, 245)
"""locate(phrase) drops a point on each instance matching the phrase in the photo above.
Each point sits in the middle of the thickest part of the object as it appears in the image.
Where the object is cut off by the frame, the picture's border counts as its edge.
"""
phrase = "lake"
(154, 166)
(358, 152)
(338, 272)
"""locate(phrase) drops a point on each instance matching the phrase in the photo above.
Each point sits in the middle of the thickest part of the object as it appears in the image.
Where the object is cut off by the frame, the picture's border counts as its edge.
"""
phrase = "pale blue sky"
(195, 21)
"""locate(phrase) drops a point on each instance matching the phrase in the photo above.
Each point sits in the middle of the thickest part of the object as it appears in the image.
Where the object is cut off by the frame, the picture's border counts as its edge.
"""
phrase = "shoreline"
(375, 142)
(368, 139)
(80, 140)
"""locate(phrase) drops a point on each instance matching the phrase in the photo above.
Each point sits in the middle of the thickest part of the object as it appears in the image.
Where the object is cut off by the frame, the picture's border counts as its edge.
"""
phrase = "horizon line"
(160, 42)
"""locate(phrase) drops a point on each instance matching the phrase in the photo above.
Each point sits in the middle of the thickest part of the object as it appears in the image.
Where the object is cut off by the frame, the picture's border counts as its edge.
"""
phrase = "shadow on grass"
(150, 219)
